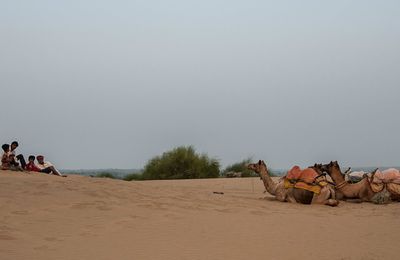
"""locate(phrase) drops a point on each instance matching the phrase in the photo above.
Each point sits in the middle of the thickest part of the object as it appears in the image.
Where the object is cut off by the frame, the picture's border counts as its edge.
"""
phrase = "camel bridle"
(341, 185)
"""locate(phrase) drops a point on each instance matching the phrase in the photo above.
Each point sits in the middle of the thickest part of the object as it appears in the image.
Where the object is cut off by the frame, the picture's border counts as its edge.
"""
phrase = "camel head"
(257, 167)
(318, 167)
(332, 166)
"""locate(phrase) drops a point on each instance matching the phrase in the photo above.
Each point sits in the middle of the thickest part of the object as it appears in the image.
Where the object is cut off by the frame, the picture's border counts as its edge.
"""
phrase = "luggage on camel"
(306, 179)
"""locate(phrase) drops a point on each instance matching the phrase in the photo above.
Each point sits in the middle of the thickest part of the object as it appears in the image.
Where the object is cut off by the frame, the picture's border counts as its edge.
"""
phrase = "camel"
(361, 190)
(294, 195)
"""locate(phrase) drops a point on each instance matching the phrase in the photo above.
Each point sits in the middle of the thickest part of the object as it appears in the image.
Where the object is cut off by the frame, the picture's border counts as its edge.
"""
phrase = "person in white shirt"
(47, 167)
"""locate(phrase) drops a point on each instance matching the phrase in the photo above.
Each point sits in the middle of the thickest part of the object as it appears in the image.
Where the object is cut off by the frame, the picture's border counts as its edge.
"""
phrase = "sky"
(111, 84)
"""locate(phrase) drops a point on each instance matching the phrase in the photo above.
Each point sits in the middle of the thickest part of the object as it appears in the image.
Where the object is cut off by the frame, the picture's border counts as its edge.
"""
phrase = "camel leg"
(289, 195)
(282, 195)
(291, 199)
(324, 198)
(340, 196)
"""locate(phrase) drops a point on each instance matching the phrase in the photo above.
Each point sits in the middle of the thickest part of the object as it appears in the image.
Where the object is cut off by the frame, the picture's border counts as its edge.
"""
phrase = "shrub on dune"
(181, 163)
(240, 167)
(133, 177)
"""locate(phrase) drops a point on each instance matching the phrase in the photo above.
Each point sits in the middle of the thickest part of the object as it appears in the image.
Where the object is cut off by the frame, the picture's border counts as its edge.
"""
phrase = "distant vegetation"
(240, 167)
(133, 177)
(185, 163)
(116, 173)
(181, 163)
(105, 175)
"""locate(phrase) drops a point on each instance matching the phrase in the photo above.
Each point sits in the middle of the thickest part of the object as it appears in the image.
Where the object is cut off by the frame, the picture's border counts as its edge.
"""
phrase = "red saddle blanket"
(307, 175)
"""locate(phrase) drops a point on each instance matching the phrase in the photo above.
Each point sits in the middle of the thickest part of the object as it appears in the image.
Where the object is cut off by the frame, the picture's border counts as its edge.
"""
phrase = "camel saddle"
(306, 179)
(393, 188)
(316, 188)
(390, 175)
(389, 178)
(307, 175)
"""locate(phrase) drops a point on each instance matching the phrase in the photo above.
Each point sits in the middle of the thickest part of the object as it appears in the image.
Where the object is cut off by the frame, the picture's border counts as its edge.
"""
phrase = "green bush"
(133, 176)
(240, 167)
(181, 163)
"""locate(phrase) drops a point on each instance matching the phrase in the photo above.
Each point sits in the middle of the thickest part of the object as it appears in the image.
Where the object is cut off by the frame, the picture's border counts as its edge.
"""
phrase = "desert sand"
(49, 217)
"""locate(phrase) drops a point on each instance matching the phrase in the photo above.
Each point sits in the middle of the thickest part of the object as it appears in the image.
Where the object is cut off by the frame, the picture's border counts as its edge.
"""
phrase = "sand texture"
(49, 217)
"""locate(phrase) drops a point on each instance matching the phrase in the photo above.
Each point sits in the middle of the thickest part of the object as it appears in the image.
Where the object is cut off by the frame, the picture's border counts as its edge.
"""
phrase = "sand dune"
(48, 217)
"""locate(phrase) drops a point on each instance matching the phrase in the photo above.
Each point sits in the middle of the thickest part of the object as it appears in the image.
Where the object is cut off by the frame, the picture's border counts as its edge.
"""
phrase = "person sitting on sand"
(31, 166)
(47, 167)
(18, 157)
(5, 163)
(14, 166)
(8, 160)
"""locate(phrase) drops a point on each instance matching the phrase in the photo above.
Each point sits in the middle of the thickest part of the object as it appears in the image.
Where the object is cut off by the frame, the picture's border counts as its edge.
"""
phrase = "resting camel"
(344, 190)
(325, 197)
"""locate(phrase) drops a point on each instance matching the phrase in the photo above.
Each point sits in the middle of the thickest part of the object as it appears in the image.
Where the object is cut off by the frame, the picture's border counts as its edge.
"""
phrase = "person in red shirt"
(31, 166)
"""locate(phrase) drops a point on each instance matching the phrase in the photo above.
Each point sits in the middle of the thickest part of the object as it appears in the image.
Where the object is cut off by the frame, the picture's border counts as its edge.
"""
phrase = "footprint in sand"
(100, 205)
(258, 213)
(42, 186)
(104, 208)
(40, 193)
(20, 212)
(6, 237)
(82, 205)
(41, 247)
(226, 210)
(53, 239)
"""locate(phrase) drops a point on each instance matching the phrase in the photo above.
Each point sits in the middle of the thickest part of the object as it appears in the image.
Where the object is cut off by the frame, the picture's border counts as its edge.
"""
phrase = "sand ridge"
(48, 217)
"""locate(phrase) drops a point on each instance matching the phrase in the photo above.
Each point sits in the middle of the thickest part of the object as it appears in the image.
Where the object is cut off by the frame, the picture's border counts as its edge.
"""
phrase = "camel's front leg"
(324, 198)
(281, 194)
(290, 198)
(287, 195)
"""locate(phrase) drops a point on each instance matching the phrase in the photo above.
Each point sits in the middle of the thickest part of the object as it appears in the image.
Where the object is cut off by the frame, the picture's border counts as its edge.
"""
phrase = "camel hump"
(307, 175)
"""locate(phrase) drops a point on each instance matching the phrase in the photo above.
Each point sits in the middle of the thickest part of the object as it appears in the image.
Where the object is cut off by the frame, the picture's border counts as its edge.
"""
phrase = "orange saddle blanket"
(307, 175)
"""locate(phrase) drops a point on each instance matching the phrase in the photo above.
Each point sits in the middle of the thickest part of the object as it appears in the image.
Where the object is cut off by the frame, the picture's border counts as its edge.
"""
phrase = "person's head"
(14, 145)
(40, 159)
(5, 147)
(31, 158)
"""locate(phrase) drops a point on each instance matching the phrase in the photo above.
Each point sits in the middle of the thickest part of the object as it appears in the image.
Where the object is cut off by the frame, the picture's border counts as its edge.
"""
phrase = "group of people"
(11, 161)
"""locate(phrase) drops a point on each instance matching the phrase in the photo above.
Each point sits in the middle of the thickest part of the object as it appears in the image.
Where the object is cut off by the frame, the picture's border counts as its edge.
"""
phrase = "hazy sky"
(111, 84)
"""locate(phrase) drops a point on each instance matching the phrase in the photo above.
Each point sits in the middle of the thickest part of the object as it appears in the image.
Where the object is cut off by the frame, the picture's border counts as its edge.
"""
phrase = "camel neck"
(269, 184)
(336, 175)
